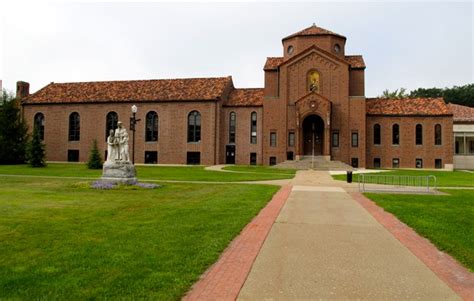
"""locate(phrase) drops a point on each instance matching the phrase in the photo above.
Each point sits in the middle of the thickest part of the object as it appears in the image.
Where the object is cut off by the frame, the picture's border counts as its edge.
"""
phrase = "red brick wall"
(408, 151)
(357, 82)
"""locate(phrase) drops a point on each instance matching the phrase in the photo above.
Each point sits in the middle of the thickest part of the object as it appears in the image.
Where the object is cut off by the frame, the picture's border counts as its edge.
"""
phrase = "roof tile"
(462, 113)
(407, 106)
(245, 97)
(313, 31)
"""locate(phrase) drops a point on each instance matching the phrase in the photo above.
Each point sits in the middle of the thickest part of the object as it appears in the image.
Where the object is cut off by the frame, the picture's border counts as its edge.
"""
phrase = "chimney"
(22, 89)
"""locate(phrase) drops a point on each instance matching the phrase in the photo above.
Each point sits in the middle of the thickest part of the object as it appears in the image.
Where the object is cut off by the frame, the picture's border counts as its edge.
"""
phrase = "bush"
(36, 150)
(95, 160)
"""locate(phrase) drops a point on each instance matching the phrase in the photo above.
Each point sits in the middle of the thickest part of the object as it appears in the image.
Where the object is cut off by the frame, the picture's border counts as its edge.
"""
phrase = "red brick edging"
(457, 277)
(224, 279)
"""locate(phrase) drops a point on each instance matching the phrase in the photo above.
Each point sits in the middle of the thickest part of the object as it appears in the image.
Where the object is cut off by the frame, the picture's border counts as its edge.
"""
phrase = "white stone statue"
(112, 147)
(121, 138)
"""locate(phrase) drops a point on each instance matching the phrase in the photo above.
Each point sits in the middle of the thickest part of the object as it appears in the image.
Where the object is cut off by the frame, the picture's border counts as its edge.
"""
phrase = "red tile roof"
(356, 62)
(313, 31)
(407, 106)
(134, 90)
(245, 97)
(462, 113)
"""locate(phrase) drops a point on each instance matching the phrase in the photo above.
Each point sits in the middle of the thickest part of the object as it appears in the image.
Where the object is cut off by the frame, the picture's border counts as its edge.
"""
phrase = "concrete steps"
(320, 163)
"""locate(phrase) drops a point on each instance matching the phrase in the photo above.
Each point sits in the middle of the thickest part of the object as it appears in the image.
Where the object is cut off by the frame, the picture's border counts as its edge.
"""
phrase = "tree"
(36, 150)
(397, 94)
(13, 131)
(95, 160)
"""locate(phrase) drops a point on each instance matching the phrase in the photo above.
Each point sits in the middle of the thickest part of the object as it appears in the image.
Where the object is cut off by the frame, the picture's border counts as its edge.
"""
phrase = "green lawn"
(444, 178)
(260, 169)
(59, 239)
(179, 173)
(446, 220)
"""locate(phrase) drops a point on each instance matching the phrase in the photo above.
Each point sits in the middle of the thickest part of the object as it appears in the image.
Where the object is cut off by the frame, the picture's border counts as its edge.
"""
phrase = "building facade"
(313, 103)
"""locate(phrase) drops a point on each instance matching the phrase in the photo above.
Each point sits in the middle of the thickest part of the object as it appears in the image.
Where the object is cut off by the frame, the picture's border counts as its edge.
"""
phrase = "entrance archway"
(313, 135)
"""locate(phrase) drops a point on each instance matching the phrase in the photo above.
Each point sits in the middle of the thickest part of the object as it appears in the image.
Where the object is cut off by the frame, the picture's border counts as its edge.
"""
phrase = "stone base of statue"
(119, 173)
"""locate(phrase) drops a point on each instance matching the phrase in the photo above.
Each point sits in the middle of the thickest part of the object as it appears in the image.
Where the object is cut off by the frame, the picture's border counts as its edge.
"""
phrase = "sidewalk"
(324, 245)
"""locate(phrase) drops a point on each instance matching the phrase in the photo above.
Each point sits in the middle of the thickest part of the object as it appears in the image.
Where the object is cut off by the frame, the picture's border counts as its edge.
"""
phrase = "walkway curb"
(224, 279)
(457, 277)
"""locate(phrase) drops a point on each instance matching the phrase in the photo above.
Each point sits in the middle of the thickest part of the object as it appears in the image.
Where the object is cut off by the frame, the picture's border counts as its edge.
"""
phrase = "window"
(355, 162)
(438, 140)
(419, 134)
(253, 158)
(273, 160)
(74, 127)
(151, 126)
(151, 157)
(110, 123)
(395, 134)
(290, 156)
(39, 125)
(291, 139)
(376, 162)
(337, 48)
(232, 122)
(395, 163)
(355, 139)
(253, 128)
(193, 158)
(313, 81)
(273, 139)
(73, 155)
(419, 163)
(463, 143)
(335, 139)
(290, 50)
(194, 127)
(438, 163)
(377, 134)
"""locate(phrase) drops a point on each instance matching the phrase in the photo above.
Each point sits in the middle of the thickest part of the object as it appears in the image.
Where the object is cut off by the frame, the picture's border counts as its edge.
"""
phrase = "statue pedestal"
(119, 173)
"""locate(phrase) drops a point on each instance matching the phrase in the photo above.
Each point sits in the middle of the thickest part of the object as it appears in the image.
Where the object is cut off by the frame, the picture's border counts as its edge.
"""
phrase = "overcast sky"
(404, 44)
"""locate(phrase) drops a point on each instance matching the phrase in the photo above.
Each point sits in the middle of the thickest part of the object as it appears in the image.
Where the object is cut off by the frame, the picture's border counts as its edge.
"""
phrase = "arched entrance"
(313, 135)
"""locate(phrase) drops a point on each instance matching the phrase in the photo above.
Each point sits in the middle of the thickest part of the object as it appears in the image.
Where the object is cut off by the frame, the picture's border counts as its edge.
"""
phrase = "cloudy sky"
(404, 44)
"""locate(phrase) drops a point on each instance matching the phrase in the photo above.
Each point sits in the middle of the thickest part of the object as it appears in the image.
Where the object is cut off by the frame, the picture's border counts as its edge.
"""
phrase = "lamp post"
(133, 122)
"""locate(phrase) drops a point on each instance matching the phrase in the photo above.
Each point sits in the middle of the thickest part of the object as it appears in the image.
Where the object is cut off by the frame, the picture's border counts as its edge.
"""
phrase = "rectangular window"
(291, 139)
(335, 139)
(273, 160)
(193, 158)
(232, 126)
(395, 163)
(73, 155)
(355, 162)
(253, 128)
(289, 156)
(459, 145)
(151, 157)
(419, 163)
(438, 163)
(355, 139)
(253, 158)
(376, 162)
(273, 139)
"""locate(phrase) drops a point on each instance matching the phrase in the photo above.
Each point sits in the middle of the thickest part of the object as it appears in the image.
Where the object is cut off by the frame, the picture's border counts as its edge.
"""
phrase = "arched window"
(377, 134)
(395, 134)
(74, 127)
(419, 134)
(194, 127)
(110, 123)
(39, 124)
(151, 127)
(438, 140)
(253, 128)
(313, 81)
(232, 123)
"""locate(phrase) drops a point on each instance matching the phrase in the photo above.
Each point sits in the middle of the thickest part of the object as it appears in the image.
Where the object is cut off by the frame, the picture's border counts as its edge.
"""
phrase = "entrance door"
(313, 131)
(230, 154)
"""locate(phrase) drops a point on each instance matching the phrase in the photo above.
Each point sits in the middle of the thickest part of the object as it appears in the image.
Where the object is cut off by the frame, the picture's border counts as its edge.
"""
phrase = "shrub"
(95, 160)
(36, 150)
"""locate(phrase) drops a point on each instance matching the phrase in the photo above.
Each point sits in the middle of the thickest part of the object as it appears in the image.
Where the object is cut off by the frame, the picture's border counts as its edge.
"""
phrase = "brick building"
(313, 103)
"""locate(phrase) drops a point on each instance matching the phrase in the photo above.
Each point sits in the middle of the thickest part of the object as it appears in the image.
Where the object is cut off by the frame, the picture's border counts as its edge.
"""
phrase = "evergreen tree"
(95, 160)
(13, 131)
(35, 150)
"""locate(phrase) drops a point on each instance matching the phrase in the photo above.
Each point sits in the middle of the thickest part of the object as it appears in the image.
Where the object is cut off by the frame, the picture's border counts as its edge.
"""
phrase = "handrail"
(395, 183)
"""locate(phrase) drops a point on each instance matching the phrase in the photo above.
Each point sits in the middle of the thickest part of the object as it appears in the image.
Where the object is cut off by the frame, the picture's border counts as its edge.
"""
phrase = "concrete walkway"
(324, 245)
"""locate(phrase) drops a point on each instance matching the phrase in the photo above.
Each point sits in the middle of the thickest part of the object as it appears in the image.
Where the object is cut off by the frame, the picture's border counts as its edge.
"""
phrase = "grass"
(59, 239)
(444, 178)
(446, 220)
(178, 173)
(260, 169)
